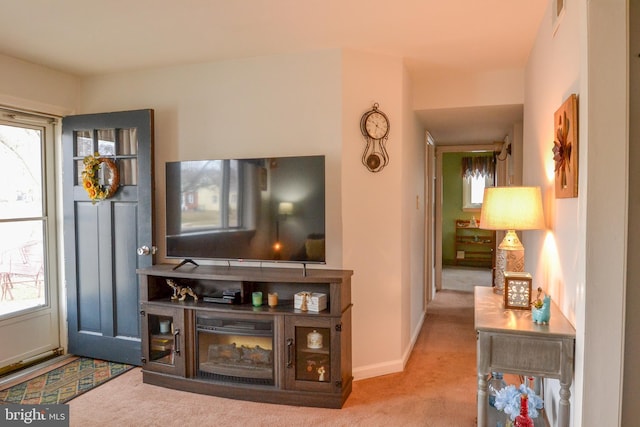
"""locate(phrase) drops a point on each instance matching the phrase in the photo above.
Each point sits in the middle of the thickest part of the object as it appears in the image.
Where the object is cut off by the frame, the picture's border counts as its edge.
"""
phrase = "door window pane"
(106, 142)
(128, 169)
(84, 143)
(128, 145)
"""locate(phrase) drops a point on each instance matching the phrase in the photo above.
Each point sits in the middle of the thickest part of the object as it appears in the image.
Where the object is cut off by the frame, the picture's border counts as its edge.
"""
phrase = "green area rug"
(63, 383)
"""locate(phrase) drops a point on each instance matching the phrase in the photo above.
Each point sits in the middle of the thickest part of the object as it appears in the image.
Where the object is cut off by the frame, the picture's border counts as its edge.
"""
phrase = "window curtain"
(478, 166)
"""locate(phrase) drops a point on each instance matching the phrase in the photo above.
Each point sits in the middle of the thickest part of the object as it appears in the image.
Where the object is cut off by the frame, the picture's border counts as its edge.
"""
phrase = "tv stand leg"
(186, 261)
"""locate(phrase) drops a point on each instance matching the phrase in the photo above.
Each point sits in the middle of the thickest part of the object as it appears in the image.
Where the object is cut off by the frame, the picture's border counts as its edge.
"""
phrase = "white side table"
(509, 341)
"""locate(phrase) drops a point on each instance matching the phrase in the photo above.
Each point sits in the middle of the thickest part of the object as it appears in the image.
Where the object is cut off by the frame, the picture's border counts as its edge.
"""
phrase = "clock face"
(376, 125)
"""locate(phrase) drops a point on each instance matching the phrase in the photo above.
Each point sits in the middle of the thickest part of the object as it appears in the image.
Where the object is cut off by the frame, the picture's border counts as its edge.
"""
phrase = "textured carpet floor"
(64, 383)
(465, 278)
(437, 388)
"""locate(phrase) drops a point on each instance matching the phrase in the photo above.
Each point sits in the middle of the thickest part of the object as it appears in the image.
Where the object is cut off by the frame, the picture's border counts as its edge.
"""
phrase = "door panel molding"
(100, 249)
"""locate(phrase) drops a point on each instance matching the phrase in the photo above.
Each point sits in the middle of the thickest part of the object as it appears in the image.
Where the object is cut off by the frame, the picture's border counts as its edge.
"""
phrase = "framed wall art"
(565, 148)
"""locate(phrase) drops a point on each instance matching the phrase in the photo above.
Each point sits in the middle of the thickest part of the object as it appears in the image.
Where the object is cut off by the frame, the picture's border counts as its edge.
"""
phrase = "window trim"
(50, 134)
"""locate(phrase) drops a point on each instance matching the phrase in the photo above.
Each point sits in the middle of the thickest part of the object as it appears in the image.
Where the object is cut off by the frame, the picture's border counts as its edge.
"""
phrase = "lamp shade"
(512, 208)
(285, 208)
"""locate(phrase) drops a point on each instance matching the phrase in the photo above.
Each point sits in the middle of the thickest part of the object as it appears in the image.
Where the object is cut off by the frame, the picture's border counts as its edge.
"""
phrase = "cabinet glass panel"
(313, 354)
(161, 339)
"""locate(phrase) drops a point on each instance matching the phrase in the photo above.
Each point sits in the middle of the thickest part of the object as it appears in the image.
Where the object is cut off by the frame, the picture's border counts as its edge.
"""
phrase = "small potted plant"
(541, 308)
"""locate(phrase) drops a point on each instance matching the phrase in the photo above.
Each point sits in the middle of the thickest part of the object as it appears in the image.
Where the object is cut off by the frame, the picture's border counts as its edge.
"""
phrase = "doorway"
(109, 234)
(445, 251)
(29, 289)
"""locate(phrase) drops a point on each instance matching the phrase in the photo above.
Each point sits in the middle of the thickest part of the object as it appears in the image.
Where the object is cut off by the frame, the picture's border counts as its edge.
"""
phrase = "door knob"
(145, 250)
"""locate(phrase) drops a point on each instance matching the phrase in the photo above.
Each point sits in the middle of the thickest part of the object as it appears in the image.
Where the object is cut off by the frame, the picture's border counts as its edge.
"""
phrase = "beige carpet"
(465, 278)
(437, 388)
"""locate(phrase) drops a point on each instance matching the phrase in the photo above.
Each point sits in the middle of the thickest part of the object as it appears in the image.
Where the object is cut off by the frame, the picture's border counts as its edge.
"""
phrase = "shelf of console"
(266, 274)
(284, 308)
(265, 394)
(285, 281)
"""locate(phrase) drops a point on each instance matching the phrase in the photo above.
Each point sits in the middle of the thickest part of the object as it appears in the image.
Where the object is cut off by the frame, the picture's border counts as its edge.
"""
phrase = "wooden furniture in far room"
(474, 246)
(509, 341)
(223, 345)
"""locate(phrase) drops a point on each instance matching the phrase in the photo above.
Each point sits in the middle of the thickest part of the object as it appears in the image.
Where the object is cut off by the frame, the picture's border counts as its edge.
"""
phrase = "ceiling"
(86, 38)
(471, 125)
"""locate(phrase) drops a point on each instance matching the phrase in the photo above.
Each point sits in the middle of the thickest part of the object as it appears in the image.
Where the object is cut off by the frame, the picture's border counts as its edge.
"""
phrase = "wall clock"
(375, 126)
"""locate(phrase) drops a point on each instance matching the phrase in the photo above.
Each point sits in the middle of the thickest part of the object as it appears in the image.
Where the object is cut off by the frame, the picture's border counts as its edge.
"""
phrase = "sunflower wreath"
(90, 182)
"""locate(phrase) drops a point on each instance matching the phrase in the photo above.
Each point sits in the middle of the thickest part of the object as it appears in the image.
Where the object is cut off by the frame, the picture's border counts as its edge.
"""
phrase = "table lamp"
(510, 209)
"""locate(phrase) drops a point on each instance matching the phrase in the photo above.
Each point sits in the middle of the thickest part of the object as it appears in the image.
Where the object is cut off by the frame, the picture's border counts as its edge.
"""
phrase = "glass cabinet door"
(163, 339)
(311, 354)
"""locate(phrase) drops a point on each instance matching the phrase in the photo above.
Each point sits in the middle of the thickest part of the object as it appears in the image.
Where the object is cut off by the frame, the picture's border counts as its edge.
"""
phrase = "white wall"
(605, 279)
(375, 207)
(308, 103)
(456, 89)
(32, 87)
(413, 220)
(267, 106)
(579, 260)
(555, 256)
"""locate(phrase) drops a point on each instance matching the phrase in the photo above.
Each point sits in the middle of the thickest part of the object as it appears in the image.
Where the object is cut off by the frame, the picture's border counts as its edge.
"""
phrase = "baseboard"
(393, 366)
(378, 369)
(414, 338)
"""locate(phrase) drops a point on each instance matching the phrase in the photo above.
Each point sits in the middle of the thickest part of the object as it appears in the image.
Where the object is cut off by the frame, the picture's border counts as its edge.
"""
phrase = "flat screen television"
(261, 209)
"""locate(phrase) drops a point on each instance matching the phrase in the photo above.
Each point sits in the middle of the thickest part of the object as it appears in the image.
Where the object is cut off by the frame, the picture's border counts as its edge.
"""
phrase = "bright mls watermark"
(34, 415)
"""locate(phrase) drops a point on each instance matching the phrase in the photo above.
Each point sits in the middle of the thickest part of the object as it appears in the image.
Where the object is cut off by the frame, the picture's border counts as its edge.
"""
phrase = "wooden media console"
(223, 345)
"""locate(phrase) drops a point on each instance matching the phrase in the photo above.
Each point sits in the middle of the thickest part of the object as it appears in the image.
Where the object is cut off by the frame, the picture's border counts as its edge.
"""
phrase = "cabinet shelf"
(473, 245)
(323, 350)
(284, 307)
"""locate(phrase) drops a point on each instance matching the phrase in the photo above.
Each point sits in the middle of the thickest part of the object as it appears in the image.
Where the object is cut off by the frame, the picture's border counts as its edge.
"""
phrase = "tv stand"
(279, 354)
(186, 261)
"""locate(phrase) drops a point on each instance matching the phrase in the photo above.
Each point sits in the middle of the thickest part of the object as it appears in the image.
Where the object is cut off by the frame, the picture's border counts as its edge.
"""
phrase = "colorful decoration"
(91, 182)
(565, 148)
(541, 308)
(508, 400)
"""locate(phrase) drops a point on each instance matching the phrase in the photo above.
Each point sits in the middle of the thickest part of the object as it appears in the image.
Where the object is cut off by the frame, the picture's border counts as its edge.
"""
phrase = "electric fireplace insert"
(234, 350)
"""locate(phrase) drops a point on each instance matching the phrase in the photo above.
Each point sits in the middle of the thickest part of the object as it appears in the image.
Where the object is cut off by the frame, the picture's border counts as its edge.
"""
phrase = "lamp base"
(506, 260)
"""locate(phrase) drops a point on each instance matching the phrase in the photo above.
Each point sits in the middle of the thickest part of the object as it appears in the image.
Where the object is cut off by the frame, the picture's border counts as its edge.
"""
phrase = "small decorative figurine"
(541, 309)
(305, 301)
(321, 372)
(180, 292)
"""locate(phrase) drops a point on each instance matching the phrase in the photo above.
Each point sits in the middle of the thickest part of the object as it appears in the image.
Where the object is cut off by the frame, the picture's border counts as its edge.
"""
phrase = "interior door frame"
(50, 316)
(440, 150)
(429, 219)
